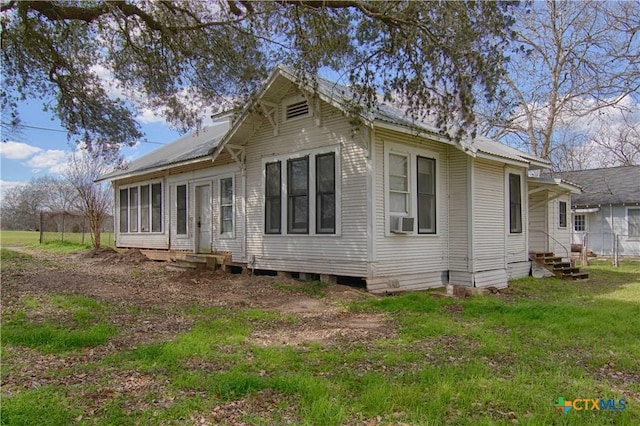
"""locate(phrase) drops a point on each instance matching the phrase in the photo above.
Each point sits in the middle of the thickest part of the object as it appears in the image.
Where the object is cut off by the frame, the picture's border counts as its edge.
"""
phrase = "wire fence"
(608, 244)
(72, 227)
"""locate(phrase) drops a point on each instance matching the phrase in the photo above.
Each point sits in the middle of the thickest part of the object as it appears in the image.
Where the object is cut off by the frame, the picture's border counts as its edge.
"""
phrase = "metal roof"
(614, 185)
(190, 147)
(203, 143)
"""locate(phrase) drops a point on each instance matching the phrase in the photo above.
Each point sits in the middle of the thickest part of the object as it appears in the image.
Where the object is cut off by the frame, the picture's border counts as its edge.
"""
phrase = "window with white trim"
(515, 203)
(426, 189)
(633, 222)
(226, 206)
(562, 214)
(273, 198)
(301, 192)
(326, 193)
(181, 209)
(140, 208)
(398, 184)
(411, 190)
(579, 223)
(298, 195)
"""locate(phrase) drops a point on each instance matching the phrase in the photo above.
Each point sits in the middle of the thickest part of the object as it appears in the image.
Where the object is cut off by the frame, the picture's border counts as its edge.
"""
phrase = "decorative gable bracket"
(270, 110)
(237, 153)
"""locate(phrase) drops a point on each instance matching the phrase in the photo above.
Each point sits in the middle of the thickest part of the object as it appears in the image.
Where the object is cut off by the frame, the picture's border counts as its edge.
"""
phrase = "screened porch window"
(140, 208)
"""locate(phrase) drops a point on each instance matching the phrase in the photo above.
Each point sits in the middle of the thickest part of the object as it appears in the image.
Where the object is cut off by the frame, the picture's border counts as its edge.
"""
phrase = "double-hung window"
(426, 189)
(181, 209)
(273, 196)
(411, 190)
(300, 194)
(141, 208)
(226, 206)
(326, 193)
(562, 214)
(398, 184)
(515, 204)
(579, 223)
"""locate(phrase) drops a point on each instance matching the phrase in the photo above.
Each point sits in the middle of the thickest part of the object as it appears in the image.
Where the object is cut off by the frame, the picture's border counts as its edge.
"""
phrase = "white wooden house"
(299, 182)
(605, 217)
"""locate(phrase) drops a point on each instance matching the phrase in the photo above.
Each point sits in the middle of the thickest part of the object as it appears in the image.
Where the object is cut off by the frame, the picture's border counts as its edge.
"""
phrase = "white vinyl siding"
(633, 221)
(398, 257)
(489, 216)
(341, 253)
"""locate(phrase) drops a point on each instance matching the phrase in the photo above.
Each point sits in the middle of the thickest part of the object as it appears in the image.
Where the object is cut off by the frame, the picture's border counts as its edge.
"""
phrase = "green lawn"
(503, 359)
(32, 238)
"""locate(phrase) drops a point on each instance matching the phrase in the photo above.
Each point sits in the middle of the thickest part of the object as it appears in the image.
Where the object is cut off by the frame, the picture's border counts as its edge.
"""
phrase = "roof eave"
(153, 169)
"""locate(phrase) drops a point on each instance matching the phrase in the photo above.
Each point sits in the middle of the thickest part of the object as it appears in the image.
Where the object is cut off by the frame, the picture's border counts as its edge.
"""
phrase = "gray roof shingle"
(615, 185)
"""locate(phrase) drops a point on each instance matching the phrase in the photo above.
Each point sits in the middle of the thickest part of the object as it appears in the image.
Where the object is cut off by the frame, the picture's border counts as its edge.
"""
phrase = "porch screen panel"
(515, 204)
(181, 209)
(133, 209)
(273, 198)
(156, 207)
(426, 195)
(326, 194)
(298, 196)
(124, 210)
(144, 208)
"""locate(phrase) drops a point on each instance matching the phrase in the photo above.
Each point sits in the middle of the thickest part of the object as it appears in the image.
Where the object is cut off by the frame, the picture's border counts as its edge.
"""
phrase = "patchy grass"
(475, 361)
(57, 324)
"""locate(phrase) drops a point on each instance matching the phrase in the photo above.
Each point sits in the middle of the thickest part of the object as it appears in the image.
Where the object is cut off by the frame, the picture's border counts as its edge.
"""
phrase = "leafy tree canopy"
(177, 57)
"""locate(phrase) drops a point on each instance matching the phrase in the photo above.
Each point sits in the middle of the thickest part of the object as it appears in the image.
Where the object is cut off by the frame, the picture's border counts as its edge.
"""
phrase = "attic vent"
(297, 109)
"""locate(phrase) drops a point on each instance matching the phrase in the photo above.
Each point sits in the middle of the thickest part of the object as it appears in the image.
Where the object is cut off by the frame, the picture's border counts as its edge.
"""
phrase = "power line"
(64, 131)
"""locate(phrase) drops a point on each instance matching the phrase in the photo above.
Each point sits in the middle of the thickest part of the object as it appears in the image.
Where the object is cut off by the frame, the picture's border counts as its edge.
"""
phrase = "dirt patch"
(148, 299)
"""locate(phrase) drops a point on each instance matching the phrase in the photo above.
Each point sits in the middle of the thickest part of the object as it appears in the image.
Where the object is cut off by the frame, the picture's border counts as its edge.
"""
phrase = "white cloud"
(148, 116)
(53, 160)
(17, 150)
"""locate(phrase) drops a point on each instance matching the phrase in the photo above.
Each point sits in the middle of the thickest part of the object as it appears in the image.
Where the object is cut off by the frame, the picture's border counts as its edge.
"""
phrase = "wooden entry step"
(557, 266)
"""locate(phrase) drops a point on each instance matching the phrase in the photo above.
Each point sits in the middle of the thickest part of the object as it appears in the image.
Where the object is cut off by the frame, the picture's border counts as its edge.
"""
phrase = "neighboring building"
(607, 213)
(303, 182)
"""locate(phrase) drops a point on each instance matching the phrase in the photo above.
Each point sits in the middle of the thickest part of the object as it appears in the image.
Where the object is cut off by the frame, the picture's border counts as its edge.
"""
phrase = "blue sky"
(41, 147)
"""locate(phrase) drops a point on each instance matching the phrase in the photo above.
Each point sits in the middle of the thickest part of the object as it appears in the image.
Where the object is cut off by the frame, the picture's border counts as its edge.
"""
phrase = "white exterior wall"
(342, 254)
(538, 217)
(601, 227)
(460, 213)
(489, 251)
(208, 176)
(410, 261)
(560, 238)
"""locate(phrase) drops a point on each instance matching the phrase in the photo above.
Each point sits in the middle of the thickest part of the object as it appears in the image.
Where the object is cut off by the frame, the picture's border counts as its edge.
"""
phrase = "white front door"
(203, 219)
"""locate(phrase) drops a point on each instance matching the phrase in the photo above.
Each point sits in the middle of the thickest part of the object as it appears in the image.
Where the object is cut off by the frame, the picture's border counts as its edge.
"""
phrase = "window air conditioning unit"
(401, 224)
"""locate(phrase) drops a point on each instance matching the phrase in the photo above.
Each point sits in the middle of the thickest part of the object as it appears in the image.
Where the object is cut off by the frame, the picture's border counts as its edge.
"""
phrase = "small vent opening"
(297, 109)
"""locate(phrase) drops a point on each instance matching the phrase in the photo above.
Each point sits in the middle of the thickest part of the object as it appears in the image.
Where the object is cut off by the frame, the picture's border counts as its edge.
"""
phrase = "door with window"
(203, 219)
